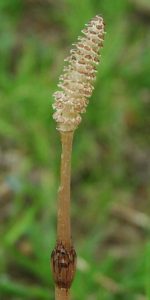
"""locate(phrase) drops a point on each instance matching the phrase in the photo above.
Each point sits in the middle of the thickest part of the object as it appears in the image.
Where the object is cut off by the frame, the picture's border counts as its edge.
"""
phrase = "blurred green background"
(110, 164)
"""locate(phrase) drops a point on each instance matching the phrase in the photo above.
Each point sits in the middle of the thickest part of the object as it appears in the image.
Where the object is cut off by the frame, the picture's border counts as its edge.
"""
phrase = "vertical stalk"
(62, 294)
(63, 221)
(64, 256)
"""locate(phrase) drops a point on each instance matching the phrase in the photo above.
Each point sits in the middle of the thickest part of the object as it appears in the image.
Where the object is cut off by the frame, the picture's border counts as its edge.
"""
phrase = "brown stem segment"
(62, 294)
(63, 258)
(63, 224)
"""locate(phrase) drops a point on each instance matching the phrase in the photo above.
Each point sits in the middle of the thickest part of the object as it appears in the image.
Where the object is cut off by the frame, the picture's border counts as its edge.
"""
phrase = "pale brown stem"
(62, 294)
(63, 222)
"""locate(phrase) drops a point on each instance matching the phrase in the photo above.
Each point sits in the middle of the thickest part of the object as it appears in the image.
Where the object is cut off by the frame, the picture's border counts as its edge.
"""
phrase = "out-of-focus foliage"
(110, 165)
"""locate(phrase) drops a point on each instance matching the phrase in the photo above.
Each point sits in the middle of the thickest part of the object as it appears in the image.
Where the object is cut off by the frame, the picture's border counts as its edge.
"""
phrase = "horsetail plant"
(76, 86)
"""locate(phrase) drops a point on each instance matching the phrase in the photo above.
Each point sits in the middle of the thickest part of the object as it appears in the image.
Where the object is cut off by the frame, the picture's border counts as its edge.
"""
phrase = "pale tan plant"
(76, 86)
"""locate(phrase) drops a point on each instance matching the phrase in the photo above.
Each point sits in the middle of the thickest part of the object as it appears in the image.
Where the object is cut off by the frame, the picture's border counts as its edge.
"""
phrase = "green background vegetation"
(110, 164)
